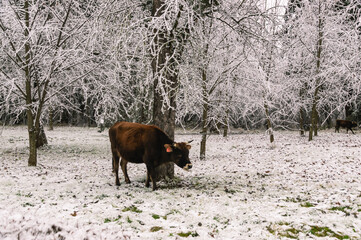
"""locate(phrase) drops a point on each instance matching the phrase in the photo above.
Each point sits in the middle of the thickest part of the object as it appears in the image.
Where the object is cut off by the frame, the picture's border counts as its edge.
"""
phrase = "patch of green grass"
(156, 216)
(307, 204)
(284, 224)
(173, 211)
(284, 229)
(132, 209)
(294, 200)
(155, 229)
(289, 232)
(271, 230)
(140, 222)
(24, 195)
(341, 209)
(28, 195)
(182, 234)
(107, 220)
(129, 220)
(187, 234)
(326, 232)
(231, 191)
(27, 205)
(101, 197)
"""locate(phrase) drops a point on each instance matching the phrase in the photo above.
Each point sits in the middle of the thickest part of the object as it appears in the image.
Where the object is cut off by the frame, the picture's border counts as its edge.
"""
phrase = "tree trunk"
(302, 122)
(204, 131)
(204, 116)
(165, 120)
(225, 126)
(32, 161)
(348, 111)
(32, 147)
(314, 113)
(41, 139)
(163, 117)
(269, 124)
(315, 128)
(313, 121)
(302, 111)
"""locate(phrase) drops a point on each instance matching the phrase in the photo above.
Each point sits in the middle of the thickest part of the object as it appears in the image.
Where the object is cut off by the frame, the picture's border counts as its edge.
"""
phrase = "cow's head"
(353, 124)
(179, 154)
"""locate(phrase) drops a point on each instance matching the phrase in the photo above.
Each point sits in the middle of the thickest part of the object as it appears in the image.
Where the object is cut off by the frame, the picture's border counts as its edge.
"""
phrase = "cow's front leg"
(151, 176)
(147, 180)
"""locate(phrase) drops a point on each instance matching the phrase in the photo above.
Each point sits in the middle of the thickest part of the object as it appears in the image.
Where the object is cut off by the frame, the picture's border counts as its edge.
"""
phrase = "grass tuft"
(132, 209)
(326, 232)
(307, 204)
(187, 234)
(155, 229)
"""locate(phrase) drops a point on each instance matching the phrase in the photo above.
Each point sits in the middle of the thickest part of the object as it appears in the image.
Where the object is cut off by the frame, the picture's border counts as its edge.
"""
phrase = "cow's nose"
(187, 166)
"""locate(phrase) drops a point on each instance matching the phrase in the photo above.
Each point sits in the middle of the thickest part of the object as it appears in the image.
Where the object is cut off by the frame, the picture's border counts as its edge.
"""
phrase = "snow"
(245, 189)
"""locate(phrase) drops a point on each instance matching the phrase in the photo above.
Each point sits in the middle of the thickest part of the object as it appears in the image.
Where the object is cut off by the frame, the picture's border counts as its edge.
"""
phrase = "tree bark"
(225, 125)
(302, 122)
(204, 116)
(314, 113)
(32, 161)
(41, 139)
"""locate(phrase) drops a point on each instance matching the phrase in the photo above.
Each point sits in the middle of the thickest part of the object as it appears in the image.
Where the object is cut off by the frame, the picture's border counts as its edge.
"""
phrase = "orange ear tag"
(169, 149)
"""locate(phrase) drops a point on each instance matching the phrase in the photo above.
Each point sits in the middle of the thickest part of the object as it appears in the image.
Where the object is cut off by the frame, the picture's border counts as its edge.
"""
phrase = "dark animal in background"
(345, 124)
(138, 143)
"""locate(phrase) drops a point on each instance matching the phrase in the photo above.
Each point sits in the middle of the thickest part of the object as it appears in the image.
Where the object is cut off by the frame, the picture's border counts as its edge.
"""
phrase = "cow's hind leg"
(123, 164)
(116, 168)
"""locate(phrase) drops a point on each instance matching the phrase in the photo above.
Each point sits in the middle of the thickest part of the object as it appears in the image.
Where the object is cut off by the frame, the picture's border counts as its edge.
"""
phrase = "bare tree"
(43, 44)
(322, 49)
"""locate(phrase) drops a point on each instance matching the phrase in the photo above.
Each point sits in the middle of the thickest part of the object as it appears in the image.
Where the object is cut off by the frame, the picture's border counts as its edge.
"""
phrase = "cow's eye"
(179, 156)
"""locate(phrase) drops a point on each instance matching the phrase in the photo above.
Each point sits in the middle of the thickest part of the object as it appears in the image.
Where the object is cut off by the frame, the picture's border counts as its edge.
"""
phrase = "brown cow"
(138, 143)
(345, 124)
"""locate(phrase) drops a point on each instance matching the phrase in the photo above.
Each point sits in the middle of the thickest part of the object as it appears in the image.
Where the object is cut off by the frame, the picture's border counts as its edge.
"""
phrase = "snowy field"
(246, 189)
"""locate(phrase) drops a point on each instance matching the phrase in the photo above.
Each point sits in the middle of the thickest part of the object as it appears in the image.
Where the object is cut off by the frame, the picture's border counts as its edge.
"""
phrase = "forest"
(208, 65)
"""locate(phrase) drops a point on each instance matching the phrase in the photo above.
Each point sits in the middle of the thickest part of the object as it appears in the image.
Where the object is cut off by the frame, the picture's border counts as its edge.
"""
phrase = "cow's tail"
(112, 138)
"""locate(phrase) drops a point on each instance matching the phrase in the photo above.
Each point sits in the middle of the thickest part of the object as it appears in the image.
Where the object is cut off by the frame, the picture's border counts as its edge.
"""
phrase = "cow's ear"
(189, 147)
(168, 147)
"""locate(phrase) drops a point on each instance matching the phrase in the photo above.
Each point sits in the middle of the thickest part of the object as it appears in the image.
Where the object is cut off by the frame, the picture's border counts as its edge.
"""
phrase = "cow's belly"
(133, 157)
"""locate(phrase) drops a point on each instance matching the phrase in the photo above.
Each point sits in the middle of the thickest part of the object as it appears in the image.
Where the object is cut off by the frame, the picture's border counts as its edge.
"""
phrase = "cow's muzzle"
(187, 166)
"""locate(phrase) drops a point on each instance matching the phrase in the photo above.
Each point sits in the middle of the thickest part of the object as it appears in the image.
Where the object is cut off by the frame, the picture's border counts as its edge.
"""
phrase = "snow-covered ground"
(245, 189)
